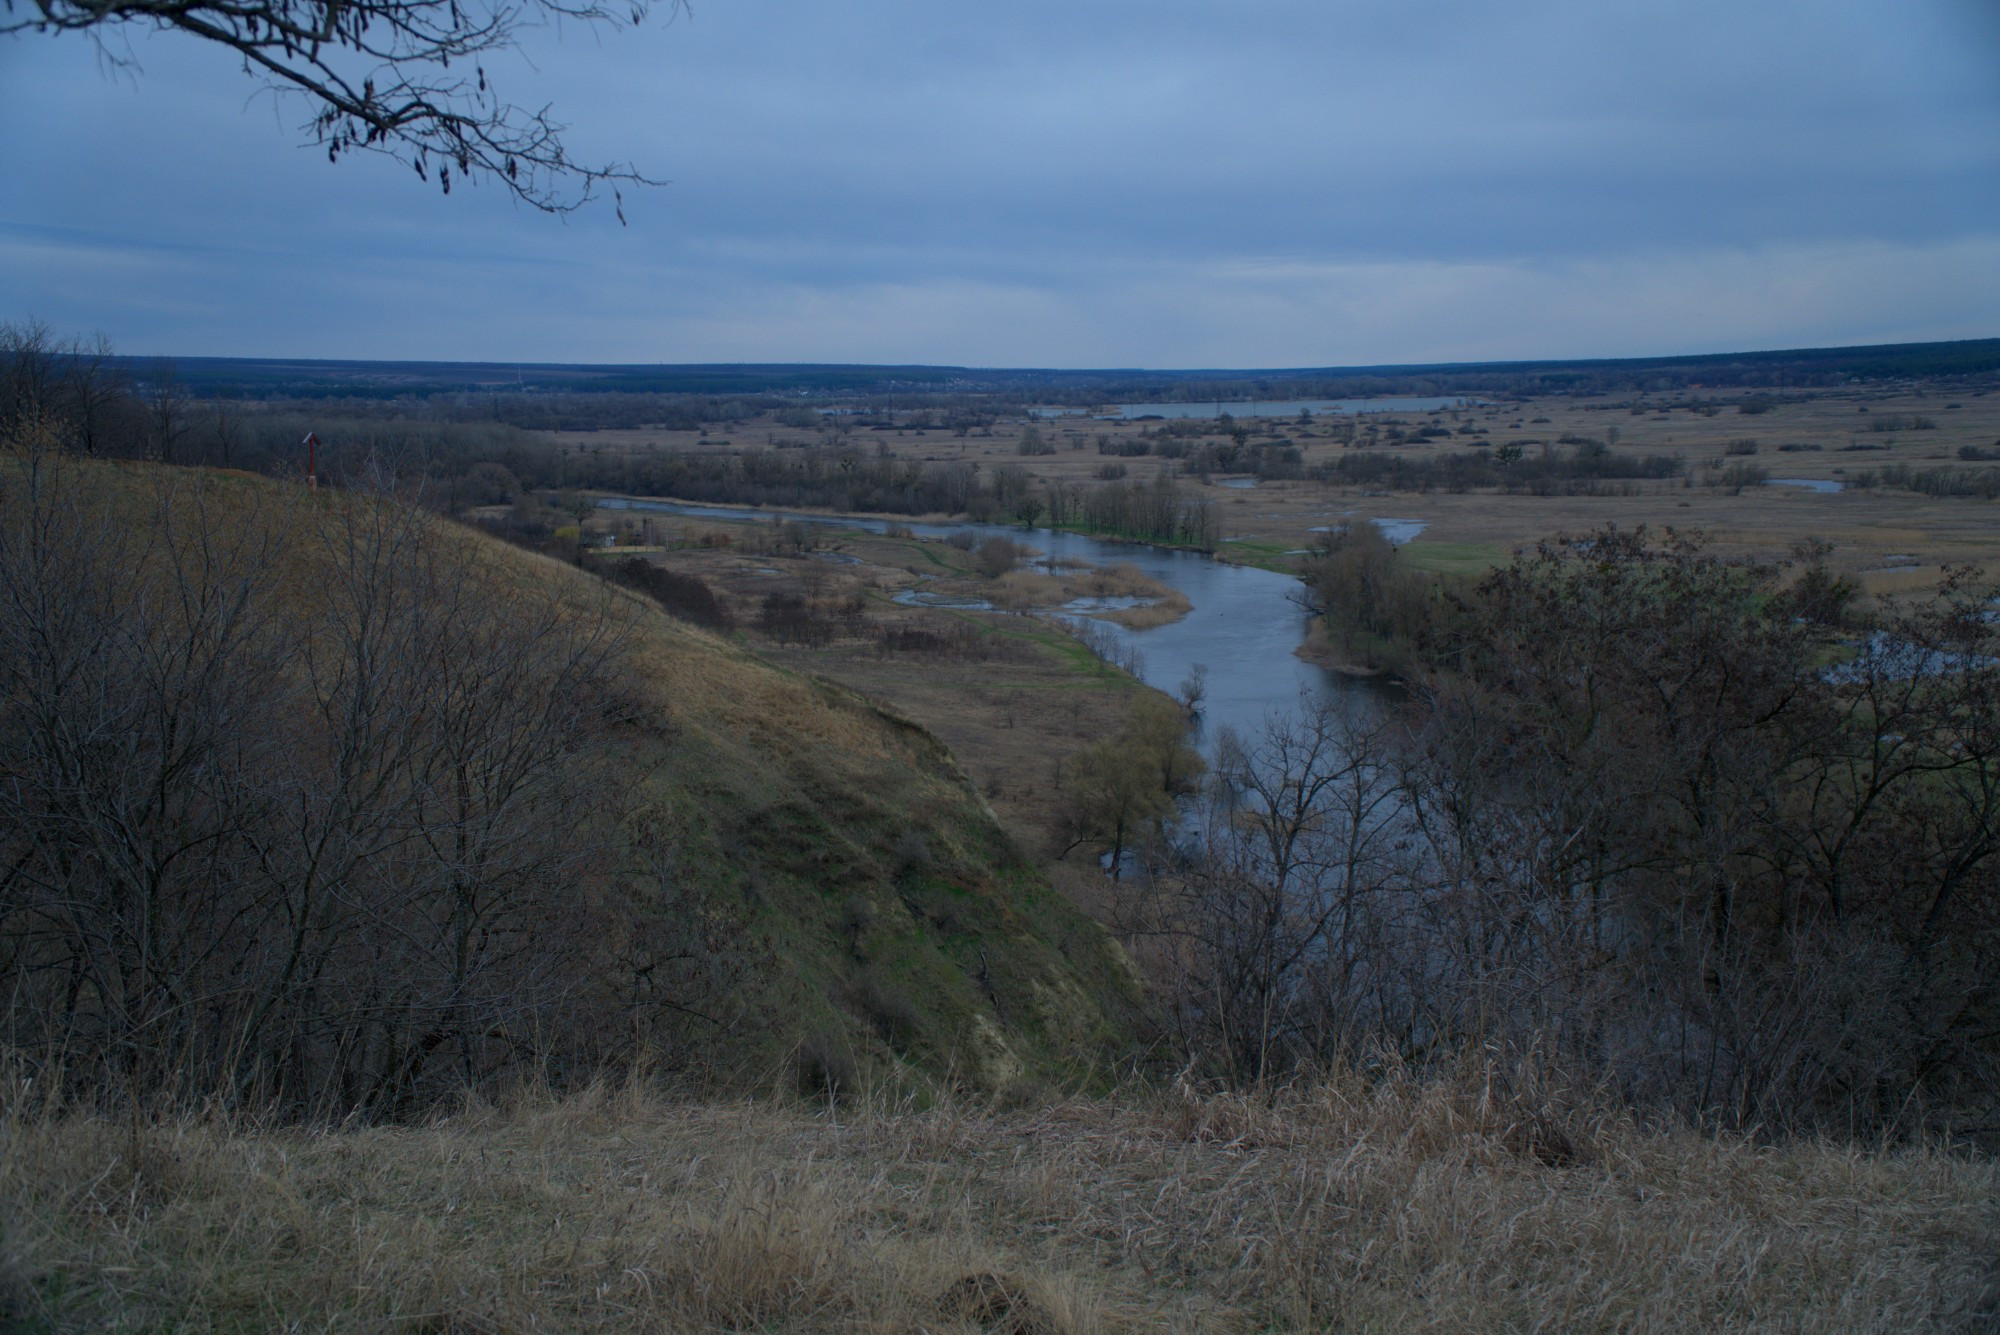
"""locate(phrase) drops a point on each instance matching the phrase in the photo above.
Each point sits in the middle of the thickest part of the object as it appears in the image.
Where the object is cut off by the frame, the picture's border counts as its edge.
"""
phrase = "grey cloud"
(1099, 166)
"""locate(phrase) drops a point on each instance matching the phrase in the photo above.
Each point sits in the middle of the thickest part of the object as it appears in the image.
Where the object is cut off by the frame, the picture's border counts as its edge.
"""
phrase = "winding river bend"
(1244, 626)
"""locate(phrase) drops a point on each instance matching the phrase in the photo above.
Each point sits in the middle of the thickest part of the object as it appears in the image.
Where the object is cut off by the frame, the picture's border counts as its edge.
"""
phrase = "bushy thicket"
(75, 393)
(1187, 443)
(86, 399)
(686, 596)
(44, 379)
(1979, 483)
(1372, 606)
(1272, 461)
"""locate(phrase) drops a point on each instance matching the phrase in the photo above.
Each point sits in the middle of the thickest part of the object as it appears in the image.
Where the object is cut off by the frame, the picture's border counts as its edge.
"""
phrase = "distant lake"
(1265, 408)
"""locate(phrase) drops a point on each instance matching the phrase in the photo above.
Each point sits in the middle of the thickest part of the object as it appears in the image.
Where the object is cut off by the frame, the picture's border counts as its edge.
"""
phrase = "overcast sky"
(1065, 183)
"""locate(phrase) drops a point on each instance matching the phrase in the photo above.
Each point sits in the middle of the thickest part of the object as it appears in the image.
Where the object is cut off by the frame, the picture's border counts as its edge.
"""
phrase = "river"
(1244, 625)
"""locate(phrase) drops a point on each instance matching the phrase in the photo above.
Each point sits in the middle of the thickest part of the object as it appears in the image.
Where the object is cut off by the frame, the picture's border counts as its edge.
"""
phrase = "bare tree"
(169, 411)
(138, 672)
(377, 76)
(67, 382)
(1193, 690)
(294, 811)
(1274, 924)
(225, 434)
(31, 372)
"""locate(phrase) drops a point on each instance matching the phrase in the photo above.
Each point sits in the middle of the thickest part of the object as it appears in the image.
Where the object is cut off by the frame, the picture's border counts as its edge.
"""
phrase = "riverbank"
(1241, 630)
(880, 520)
(1362, 657)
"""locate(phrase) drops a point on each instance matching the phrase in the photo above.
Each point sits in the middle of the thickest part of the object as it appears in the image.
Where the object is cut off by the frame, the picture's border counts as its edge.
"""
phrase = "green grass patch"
(1275, 557)
(1066, 648)
(1452, 558)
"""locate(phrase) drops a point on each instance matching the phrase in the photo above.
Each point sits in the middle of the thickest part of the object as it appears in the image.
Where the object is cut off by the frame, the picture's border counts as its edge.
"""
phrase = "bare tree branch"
(377, 77)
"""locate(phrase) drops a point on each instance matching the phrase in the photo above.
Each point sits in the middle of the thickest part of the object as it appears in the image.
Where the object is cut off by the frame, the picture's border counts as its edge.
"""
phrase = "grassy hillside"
(819, 892)
(902, 914)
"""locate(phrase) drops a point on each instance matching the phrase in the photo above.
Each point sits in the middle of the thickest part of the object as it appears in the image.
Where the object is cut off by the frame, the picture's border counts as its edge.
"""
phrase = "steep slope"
(371, 804)
(852, 840)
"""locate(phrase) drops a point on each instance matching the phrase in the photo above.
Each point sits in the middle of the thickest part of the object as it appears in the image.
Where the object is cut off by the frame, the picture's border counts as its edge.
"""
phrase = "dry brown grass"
(1009, 719)
(1761, 521)
(1165, 611)
(1025, 590)
(1011, 724)
(1383, 1204)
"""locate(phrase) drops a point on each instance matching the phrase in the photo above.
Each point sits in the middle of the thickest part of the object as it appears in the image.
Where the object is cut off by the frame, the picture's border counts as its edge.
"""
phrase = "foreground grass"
(1391, 1204)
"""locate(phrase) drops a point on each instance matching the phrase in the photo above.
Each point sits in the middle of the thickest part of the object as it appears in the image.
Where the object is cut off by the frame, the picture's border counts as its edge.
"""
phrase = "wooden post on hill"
(311, 442)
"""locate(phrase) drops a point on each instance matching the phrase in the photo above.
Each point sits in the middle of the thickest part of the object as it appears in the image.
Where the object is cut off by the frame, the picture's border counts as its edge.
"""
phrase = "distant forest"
(911, 386)
(454, 452)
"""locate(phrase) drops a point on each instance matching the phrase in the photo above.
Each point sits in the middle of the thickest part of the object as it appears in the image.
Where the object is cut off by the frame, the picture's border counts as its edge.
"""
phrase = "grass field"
(1452, 558)
(1822, 436)
(1484, 1201)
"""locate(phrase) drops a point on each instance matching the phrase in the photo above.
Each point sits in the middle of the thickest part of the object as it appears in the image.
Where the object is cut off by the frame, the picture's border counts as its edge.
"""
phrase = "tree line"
(1550, 470)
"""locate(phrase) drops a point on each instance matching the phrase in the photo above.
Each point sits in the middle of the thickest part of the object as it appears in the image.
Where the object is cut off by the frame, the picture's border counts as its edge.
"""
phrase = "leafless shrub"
(997, 555)
(685, 595)
(1274, 926)
(946, 638)
(1735, 477)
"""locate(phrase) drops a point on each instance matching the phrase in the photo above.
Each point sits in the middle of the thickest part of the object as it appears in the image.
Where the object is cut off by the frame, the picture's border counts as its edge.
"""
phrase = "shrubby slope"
(315, 801)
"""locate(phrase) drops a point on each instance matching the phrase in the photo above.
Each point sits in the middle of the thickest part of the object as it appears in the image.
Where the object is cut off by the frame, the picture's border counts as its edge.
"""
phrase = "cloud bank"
(1163, 185)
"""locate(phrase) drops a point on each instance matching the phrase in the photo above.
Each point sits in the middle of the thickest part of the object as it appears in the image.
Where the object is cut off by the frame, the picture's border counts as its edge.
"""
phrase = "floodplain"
(1760, 470)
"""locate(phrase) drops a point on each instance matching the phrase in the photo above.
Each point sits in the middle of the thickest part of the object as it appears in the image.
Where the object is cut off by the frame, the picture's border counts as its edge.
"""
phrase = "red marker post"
(311, 442)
